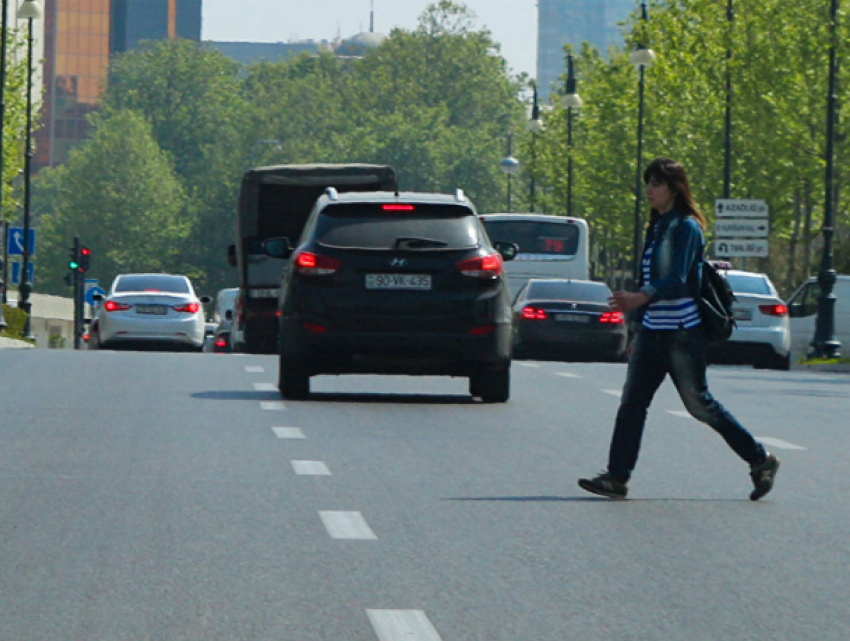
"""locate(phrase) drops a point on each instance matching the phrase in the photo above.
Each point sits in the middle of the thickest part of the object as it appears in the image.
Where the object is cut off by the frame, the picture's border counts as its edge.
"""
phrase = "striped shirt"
(667, 314)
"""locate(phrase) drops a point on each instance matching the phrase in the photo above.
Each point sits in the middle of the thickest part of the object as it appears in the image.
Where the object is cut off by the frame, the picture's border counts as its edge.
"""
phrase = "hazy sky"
(513, 23)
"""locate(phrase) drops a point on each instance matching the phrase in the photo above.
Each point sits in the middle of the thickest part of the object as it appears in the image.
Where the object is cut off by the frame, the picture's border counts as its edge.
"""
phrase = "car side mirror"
(277, 247)
(206, 300)
(231, 255)
(506, 249)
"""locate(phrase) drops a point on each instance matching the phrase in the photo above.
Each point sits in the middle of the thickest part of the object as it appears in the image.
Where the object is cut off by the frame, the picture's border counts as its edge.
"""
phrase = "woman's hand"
(626, 301)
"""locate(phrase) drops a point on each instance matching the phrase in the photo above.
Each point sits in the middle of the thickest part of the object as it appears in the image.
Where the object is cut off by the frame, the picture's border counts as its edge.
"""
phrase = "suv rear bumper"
(395, 353)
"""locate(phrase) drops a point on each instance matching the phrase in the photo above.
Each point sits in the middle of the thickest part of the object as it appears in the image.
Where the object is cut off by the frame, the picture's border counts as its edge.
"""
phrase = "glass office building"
(79, 38)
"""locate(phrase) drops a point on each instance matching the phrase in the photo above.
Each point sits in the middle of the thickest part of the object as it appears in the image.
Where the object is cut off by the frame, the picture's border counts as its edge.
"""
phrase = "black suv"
(389, 283)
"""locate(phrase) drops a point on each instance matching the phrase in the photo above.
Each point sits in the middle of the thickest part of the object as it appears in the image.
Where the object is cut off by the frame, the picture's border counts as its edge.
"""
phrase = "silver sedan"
(150, 310)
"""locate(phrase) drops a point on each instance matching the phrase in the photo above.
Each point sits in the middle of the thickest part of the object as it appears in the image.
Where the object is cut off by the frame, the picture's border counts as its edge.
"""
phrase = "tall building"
(575, 21)
(136, 20)
(79, 38)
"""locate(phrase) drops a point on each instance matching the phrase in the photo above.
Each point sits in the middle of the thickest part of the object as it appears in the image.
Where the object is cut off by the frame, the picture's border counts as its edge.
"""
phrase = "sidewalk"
(12, 343)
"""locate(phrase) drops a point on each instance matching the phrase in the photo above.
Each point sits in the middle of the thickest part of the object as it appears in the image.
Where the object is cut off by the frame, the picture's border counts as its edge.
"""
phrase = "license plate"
(398, 281)
(152, 309)
(743, 314)
(572, 318)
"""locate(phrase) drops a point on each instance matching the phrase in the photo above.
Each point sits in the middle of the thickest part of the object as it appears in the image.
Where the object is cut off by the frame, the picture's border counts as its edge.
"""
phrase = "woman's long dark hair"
(671, 173)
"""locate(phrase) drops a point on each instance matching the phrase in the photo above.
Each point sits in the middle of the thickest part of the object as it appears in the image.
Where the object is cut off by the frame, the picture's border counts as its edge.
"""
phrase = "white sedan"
(150, 309)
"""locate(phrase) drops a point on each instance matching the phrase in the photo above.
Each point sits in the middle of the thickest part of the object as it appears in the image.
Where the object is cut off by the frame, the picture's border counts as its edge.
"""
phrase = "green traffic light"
(74, 265)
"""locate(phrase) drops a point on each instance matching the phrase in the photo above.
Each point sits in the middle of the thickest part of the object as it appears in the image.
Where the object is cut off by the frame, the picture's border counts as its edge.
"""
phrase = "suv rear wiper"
(418, 243)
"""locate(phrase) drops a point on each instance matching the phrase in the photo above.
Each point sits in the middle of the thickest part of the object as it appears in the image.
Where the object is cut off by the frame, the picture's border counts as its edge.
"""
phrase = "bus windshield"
(536, 237)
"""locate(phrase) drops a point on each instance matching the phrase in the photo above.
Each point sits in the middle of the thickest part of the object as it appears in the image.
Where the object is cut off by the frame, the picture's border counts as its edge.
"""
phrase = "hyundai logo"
(398, 262)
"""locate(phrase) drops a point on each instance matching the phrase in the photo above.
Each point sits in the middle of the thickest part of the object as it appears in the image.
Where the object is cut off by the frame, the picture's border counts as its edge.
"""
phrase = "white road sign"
(731, 247)
(734, 208)
(741, 228)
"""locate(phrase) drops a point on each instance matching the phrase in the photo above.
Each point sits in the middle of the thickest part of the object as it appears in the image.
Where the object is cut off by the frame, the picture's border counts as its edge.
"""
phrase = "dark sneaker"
(763, 476)
(605, 485)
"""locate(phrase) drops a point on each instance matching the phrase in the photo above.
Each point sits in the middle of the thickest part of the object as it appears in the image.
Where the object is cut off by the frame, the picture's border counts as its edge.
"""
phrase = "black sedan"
(567, 319)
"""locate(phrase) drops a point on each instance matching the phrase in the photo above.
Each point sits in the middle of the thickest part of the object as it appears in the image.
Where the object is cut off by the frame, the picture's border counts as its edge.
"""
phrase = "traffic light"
(85, 260)
(74, 263)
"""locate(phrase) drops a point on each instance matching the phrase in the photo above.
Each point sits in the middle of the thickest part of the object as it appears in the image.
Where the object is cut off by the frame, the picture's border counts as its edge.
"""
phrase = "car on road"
(803, 310)
(223, 317)
(150, 310)
(567, 319)
(762, 335)
(394, 283)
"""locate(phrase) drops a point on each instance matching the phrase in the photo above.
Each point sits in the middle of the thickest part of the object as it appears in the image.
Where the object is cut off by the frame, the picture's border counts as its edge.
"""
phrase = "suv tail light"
(310, 264)
(488, 266)
(189, 308)
(773, 310)
(533, 313)
(112, 306)
(611, 317)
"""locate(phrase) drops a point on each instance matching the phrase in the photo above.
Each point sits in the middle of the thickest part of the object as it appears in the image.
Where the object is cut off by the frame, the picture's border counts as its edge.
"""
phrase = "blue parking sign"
(15, 241)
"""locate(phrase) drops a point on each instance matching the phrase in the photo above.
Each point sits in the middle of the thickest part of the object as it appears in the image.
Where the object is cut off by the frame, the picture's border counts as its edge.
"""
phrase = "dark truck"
(274, 202)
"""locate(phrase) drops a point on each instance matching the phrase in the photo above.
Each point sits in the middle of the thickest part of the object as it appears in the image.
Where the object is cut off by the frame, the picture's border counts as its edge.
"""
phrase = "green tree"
(119, 194)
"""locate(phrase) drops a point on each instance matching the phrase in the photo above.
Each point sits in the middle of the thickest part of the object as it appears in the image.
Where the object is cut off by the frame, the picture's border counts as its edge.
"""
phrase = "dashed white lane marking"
(523, 364)
(273, 406)
(265, 387)
(288, 432)
(254, 369)
(568, 375)
(680, 413)
(346, 525)
(402, 625)
(613, 392)
(310, 468)
(779, 444)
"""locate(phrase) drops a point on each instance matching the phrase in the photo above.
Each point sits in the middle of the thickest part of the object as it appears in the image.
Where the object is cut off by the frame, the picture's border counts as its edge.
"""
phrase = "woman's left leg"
(687, 370)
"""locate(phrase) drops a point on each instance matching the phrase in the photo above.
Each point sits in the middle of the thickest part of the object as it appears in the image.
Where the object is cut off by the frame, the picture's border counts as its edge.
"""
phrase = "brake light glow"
(482, 330)
(773, 310)
(112, 306)
(487, 266)
(398, 207)
(189, 308)
(315, 328)
(533, 313)
(220, 342)
(611, 317)
(310, 264)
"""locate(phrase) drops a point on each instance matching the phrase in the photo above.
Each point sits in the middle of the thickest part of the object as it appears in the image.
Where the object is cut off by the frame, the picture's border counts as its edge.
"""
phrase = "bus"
(549, 246)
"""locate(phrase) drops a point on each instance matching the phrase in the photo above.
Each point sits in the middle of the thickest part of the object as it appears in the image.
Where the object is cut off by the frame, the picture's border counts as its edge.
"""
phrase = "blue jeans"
(681, 354)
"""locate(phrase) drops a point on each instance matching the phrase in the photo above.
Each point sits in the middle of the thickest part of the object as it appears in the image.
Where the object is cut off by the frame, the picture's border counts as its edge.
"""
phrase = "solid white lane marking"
(524, 364)
(613, 392)
(779, 444)
(681, 413)
(568, 375)
(288, 432)
(273, 406)
(265, 387)
(402, 625)
(310, 468)
(346, 525)
(254, 369)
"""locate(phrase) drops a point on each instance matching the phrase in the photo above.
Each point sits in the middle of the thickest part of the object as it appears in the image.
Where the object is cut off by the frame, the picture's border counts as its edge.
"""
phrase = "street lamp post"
(509, 166)
(28, 11)
(535, 126)
(3, 33)
(824, 343)
(641, 58)
(727, 138)
(571, 100)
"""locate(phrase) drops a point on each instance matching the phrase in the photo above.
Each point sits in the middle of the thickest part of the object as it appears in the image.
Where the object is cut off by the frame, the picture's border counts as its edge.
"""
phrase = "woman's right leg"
(646, 371)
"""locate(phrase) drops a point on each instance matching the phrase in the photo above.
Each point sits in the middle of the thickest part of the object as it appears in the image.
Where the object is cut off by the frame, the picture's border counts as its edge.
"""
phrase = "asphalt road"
(175, 496)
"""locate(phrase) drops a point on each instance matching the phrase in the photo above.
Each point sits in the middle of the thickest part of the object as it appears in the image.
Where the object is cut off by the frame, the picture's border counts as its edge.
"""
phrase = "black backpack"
(715, 304)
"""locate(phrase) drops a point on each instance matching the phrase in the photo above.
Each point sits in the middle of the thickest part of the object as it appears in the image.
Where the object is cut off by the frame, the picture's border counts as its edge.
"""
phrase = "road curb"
(11, 343)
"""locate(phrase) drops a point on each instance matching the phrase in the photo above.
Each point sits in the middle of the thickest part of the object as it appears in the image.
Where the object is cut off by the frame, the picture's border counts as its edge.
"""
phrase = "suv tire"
(492, 385)
(293, 383)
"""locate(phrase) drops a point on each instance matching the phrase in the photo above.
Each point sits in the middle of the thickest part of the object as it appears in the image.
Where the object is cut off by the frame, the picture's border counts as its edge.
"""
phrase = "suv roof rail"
(332, 193)
(460, 196)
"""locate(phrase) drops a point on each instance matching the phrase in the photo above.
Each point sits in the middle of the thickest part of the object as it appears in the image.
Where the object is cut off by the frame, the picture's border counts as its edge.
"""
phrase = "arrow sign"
(732, 208)
(89, 295)
(15, 241)
(741, 228)
(741, 248)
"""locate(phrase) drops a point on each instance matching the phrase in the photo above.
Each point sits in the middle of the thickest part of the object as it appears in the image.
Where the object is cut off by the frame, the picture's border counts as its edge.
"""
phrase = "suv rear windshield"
(393, 226)
(152, 283)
